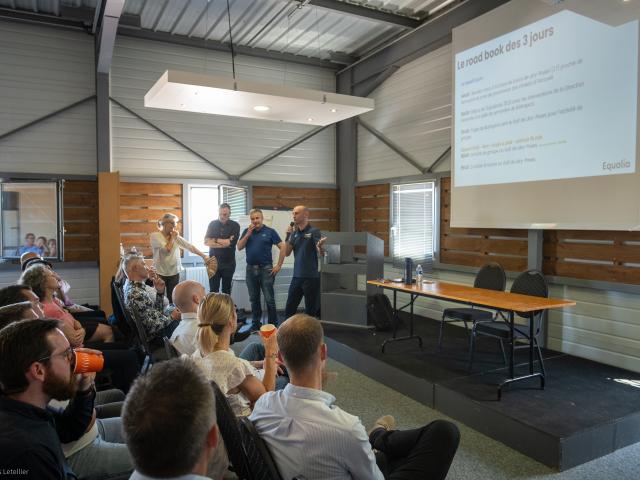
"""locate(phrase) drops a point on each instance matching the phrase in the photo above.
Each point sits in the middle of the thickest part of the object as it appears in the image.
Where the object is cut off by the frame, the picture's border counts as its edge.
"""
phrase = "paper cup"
(88, 362)
(267, 330)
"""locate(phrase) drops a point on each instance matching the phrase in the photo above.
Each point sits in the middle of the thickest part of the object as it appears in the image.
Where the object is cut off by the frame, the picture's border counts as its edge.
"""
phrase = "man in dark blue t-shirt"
(259, 240)
(221, 238)
(306, 242)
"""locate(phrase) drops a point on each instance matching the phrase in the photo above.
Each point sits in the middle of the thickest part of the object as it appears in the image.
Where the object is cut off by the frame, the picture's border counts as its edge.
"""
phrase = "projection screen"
(545, 106)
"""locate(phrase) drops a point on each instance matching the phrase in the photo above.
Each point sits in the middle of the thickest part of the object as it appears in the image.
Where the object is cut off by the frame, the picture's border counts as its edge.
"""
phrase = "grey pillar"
(346, 161)
(535, 255)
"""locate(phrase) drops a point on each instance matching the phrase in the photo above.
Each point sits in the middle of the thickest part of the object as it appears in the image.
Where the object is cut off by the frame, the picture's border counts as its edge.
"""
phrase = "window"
(412, 223)
(236, 197)
(203, 208)
(31, 219)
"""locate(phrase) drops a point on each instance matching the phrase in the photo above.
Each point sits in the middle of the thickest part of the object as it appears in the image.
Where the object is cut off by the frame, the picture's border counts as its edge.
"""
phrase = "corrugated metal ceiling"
(284, 26)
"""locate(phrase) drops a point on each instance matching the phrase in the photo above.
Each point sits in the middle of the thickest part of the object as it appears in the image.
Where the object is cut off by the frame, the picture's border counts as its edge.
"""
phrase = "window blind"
(236, 197)
(412, 223)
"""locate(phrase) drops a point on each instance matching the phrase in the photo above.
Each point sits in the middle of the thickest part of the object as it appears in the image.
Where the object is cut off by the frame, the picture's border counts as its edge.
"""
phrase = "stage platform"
(586, 410)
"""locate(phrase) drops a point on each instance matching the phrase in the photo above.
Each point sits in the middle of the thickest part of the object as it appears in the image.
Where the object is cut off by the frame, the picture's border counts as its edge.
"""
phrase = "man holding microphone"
(258, 240)
(306, 242)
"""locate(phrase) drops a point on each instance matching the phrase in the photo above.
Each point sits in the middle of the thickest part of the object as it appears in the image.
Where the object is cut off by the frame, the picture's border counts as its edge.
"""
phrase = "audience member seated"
(187, 296)
(41, 243)
(36, 367)
(309, 435)
(44, 283)
(122, 364)
(169, 423)
(29, 245)
(52, 244)
(15, 312)
(149, 313)
(21, 293)
(239, 379)
(121, 278)
(28, 259)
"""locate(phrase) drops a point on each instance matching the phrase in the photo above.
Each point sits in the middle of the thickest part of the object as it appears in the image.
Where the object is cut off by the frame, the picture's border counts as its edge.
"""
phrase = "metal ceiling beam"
(367, 12)
(383, 138)
(40, 18)
(171, 137)
(223, 47)
(438, 160)
(427, 37)
(284, 148)
(107, 31)
(45, 117)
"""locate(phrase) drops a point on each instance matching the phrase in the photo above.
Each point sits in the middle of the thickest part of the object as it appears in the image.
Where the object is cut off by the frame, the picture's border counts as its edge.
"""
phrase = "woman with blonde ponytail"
(241, 381)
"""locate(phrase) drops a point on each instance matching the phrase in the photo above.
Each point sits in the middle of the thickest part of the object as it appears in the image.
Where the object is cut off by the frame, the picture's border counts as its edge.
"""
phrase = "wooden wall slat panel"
(372, 212)
(323, 203)
(142, 205)
(475, 247)
(132, 188)
(171, 202)
(80, 211)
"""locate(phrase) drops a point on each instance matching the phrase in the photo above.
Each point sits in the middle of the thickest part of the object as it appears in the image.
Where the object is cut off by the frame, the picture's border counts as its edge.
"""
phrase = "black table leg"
(411, 335)
(512, 378)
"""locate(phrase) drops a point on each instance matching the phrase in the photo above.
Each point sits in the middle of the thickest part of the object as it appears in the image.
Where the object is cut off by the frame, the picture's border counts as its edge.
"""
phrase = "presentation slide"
(555, 99)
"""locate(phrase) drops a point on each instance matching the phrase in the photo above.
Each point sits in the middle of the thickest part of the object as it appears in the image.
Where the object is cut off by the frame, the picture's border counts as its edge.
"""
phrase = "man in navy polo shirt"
(261, 272)
(306, 242)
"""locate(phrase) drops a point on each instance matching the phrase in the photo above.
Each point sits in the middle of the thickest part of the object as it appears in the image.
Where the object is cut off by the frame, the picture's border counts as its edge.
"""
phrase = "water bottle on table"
(419, 274)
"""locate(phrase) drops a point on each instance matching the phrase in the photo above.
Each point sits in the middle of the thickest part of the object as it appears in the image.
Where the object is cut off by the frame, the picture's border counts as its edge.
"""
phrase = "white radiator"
(198, 274)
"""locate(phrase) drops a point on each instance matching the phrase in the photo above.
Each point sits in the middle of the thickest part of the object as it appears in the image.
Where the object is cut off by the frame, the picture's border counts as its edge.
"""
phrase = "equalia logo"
(616, 166)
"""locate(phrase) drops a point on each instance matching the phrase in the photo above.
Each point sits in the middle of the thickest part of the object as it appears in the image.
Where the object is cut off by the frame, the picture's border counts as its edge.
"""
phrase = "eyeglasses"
(69, 354)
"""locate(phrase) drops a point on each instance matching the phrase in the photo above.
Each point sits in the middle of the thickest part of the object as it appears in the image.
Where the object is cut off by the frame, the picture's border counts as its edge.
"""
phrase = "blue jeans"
(259, 278)
(307, 287)
(255, 352)
(107, 456)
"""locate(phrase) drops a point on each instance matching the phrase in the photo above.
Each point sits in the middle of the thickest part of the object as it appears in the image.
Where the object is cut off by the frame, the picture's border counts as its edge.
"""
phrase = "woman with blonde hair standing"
(240, 380)
(166, 244)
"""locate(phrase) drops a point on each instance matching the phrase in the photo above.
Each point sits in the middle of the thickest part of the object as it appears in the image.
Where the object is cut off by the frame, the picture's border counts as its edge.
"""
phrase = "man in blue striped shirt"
(309, 435)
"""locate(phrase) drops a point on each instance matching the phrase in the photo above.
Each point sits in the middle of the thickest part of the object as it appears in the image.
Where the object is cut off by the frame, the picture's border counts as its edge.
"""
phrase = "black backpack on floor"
(380, 312)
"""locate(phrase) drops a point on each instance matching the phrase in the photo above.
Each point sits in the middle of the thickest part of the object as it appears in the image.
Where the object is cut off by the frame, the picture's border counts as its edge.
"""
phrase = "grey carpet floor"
(479, 457)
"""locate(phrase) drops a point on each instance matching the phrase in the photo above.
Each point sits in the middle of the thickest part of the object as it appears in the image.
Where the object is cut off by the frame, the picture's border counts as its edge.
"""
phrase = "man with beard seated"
(36, 367)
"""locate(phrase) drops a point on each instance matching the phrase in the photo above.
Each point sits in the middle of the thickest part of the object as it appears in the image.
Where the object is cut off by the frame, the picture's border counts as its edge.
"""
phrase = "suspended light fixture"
(193, 92)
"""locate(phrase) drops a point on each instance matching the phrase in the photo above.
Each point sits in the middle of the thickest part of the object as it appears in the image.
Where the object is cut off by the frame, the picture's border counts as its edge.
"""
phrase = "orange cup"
(88, 362)
(267, 330)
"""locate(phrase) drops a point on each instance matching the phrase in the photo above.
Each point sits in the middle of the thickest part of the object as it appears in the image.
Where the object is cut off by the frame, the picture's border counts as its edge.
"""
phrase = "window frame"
(59, 197)
(435, 228)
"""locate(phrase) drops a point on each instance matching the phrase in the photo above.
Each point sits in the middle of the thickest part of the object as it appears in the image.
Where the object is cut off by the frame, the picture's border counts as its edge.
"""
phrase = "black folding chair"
(260, 460)
(169, 349)
(230, 431)
(533, 283)
(492, 277)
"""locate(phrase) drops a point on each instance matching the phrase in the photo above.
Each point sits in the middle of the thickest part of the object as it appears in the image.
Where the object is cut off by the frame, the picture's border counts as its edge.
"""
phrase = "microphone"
(286, 239)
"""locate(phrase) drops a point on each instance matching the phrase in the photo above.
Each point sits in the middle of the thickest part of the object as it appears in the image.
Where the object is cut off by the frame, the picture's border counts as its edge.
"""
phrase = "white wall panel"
(603, 326)
(232, 143)
(43, 70)
(413, 109)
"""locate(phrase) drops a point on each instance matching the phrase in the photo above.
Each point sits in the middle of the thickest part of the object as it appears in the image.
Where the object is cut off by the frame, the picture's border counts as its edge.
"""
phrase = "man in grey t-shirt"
(221, 238)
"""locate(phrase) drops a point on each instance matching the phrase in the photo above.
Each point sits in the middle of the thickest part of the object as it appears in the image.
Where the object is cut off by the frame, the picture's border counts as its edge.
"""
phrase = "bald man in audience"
(186, 297)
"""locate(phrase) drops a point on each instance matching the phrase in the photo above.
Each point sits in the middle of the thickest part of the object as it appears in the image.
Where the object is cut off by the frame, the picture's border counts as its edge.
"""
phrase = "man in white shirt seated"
(169, 423)
(186, 297)
(310, 436)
